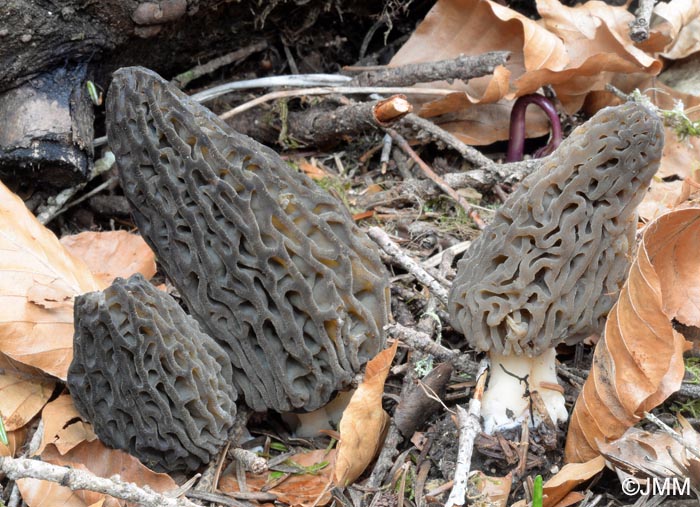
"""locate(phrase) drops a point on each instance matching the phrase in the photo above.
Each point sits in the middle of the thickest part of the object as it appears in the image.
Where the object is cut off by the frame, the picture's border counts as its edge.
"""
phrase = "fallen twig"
(463, 67)
(323, 126)
(250, 461)
(673, 434)
(360, 90)
(75, 479)
(471, 155)
(423, 342)
(182, 80)
(432, 175)
(469, 428)
(59, 203)
(385, 242)
(639, 28)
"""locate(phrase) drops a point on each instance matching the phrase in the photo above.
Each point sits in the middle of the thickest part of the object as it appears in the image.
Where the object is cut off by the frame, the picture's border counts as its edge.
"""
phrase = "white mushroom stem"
(505, 403)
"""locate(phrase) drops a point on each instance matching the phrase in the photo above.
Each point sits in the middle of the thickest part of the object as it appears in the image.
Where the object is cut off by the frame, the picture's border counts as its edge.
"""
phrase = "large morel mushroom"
(271, 266)
(550, 265)
(151, 382)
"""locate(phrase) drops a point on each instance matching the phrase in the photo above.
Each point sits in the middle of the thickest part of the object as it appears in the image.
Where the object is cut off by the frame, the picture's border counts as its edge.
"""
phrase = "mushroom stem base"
(505, 403)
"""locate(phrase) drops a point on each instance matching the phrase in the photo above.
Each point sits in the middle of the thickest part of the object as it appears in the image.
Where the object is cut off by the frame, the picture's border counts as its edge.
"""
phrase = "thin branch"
(469, 428)
(440, 92)
(639, 28)
(75, 479)
(463, 67)
(423, 342)
(471, 155)
(182, 80)
(432, 175)
(384, 241)
(271, 81)
(673, 434)
(321, 126)
(59, 203)
(250, 461)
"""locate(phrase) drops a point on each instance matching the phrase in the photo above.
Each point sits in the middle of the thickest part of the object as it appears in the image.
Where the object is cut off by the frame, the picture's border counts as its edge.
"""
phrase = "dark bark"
(39, 39)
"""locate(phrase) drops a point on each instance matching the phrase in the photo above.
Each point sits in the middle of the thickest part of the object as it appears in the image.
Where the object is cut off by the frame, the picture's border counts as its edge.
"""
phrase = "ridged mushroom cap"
(271, 265)
(148, 379)
(551, 263)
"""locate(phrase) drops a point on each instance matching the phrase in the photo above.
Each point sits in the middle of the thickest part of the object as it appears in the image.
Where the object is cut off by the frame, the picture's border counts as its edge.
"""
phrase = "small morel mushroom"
(272, 266)
(550, 265)
(148, 379)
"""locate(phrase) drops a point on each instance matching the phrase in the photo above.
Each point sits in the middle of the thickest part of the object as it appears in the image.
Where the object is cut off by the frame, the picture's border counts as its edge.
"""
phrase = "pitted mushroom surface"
(550, 265)
(146, 376)
(272, 266)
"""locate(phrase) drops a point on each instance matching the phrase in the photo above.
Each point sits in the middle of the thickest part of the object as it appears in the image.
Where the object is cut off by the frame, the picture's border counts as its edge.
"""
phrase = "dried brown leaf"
(38, 280)
(644, 454)
(63, 426)
(22, 399)
(574, 49)
(572, 475)
(364, 421)
(110, 254)
(297, 489)
(679, 21)
(15, 441)
(312, 170)
(101, 461)
(639, 363)
(495, 489)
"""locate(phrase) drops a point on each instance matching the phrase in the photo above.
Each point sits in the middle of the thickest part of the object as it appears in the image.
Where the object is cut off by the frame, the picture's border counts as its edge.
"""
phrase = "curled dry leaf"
(38, 280)
(63, 426)
(644, 454)
(679, 21)
(21, 399)
(110, 254)
(101, 461)
(574, 49)
(639, 363)
(568, 478)
(364, 423)
(302, 489)
(15, 441)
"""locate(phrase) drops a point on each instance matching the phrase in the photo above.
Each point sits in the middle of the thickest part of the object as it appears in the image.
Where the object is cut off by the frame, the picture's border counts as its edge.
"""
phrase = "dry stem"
(639, 28)
(21, 468)
(463, 67)
(384, 241)
(469, 428)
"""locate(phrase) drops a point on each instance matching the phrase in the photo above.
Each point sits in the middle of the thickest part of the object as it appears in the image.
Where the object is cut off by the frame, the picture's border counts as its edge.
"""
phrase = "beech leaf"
(639, 362)
(21, 399)
(364, 421)
(101, 461)
(38, 280)
(110, 254)
(303, 490)
(570, 476)
(574, 49)
(63, 426)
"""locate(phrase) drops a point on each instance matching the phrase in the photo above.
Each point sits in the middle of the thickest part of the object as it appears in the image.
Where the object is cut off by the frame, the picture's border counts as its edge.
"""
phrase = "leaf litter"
(575, 52)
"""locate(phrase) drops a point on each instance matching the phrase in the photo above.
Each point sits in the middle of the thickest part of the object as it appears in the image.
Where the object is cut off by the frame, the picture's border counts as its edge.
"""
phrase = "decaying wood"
(639, 28)
(321, 127)
(468, 422)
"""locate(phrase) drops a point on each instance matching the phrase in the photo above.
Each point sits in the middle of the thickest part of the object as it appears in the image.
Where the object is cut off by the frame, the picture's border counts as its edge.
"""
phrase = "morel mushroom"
(272, 266)
(146, 376)
(550, 266)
